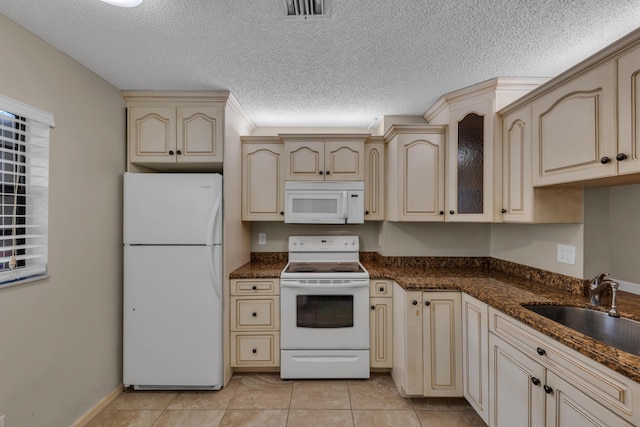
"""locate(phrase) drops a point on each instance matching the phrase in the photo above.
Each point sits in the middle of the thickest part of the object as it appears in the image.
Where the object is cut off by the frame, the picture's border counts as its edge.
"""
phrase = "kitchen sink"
(621, 333)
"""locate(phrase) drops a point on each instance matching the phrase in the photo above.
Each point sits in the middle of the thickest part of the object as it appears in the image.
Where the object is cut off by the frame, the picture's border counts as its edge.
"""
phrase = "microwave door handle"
(344, 206)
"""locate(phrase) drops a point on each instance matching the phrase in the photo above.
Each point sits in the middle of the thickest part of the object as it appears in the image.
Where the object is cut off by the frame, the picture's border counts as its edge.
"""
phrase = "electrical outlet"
(567, 254)
(262, 238)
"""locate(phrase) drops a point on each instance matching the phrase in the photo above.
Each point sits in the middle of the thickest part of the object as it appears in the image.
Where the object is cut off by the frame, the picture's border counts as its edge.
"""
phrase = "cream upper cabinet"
(473, 171)
(521, 202)
(627, 156)
(175, 131)
(574, 129)
(374, 179)
(380, 323)
(262, 179)
(475, 354)
(324, 158)
(427, 343)
(415, 173)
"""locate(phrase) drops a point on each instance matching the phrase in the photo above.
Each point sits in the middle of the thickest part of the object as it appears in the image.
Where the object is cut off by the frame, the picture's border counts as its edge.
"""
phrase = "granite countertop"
(503, 291)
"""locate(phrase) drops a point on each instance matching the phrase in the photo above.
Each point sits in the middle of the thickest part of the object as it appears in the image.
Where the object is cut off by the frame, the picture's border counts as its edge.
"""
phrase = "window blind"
(24, 193)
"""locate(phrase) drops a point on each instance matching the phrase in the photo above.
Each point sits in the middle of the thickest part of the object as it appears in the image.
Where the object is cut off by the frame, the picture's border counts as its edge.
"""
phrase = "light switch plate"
(567, 254)
(262, 238)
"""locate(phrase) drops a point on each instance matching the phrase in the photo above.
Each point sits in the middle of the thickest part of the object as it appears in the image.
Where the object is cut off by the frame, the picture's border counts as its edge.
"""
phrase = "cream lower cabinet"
(534, 381)
(427, 343)
(475, 354)
(415, 173)
(262, 179)
(381, 323)
(254, 309)
(521, 201)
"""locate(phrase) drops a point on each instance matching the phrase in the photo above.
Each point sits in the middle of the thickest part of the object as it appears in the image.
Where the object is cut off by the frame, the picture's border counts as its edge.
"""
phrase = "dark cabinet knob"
(427, 303)
(535, 381)
(373, 307)
(178, 152)
(254, 314)
(381, 289)
(547, 389)
(605, 160)
(414, 302)
(320, 172)
(254, 287)
(171, 152)
(281, 213)
(254, 351)
(327, 173)
(366, 212)
(451, 212)
(503, 210)
(441, 212)
(541, 351)
(621, 156)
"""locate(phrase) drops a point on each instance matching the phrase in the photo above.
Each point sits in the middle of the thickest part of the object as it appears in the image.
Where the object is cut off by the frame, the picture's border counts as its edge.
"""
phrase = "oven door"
(324, 314)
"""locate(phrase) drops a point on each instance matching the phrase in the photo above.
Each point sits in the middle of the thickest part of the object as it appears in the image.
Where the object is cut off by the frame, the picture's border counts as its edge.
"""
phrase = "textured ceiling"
(369, 59)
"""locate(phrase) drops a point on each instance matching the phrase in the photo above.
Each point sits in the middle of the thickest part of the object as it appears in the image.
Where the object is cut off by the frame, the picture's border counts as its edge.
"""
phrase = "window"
(24, 192)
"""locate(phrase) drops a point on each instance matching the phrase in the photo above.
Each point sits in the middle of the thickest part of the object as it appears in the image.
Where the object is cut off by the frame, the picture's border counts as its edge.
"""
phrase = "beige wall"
(60, 339)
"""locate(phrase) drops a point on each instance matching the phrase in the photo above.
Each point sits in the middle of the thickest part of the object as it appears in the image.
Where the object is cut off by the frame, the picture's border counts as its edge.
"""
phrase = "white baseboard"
(88, 416)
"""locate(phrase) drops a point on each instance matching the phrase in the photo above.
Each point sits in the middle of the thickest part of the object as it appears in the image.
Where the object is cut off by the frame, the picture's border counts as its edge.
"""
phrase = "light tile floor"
(267, 401)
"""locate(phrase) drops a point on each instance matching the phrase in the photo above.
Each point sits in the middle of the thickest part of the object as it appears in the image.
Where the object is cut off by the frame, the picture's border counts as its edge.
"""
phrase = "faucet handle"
(598, 279)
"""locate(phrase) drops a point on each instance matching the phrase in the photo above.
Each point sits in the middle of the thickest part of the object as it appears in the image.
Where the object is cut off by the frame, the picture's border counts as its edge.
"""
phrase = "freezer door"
(171, 208)
(172, 317)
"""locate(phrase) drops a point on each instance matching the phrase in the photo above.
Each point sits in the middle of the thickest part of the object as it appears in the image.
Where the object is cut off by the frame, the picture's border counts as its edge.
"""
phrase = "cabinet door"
(442, 343)
(199, 135)
(304, 161)
(475, 354)
(567, 406)
(515, 387)
(573, 133)
(152, 134)
(374, 181)
(407, 342)
(629, 113)
(517, 190)
(344, 161)
(470, 166)
(420, 178)
(380, 332)
(262, 182)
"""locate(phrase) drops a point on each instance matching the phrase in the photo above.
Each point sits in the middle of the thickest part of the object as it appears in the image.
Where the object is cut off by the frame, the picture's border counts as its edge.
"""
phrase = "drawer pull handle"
(621, 156)
(547, 389)
(535, 381)
(254, 314)
(605, 160)
(503, 210)
(381, 289)
(541, 351)
(254, 287)
(414, 302)
(254, 351)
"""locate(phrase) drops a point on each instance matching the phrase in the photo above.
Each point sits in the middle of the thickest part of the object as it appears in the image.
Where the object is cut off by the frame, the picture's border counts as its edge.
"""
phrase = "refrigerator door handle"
(215, 219)
(215, 269)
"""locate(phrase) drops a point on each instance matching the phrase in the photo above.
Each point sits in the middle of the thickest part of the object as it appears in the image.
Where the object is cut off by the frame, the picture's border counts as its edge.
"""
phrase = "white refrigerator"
(172, 300)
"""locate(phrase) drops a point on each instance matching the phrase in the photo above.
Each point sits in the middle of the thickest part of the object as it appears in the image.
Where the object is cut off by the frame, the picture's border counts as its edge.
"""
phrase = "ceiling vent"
(306, 9)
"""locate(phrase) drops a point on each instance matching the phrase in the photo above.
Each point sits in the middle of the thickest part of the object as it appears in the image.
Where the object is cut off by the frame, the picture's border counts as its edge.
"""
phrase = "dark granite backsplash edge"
(547, 278)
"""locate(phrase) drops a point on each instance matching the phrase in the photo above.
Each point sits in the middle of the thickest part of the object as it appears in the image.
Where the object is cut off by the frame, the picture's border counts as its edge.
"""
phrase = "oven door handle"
(301, 285)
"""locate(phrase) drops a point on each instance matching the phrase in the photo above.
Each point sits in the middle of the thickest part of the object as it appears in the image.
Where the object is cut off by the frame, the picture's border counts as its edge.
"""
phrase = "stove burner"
(344, 268)
(304, 269)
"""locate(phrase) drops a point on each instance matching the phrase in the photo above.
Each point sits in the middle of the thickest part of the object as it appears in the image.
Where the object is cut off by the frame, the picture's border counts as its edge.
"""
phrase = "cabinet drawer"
(604, 385)
(255, 313)
(255, 287)
(249, 349)
(380, 288)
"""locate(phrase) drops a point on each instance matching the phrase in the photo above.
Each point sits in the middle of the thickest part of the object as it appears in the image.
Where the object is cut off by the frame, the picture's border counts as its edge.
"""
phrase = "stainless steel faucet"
(597, 285)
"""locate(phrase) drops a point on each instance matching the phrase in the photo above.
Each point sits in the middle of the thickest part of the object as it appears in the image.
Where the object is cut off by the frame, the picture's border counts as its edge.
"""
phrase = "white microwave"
(324, 202)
